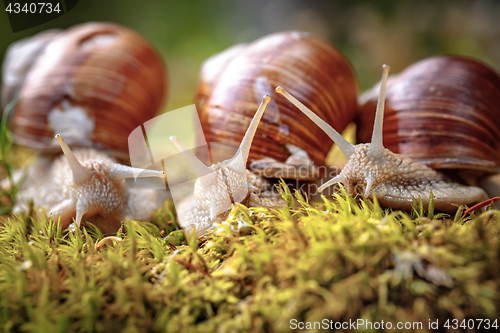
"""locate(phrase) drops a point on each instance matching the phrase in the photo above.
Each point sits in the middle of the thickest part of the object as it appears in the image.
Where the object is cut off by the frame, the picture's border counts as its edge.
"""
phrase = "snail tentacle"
(244, 149)
(235, 171)
(370, 179)
(345, 146)
(80, 173)
(80, 211)
(337, 179)
(377, 145)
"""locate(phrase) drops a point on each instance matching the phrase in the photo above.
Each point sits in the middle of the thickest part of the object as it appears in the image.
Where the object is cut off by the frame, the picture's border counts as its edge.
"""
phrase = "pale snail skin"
(220, 186)
(89, 184)
(396, 181)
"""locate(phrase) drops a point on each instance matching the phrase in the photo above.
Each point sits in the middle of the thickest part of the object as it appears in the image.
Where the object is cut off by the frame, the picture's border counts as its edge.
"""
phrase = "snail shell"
(233, 82)
(93, 83)
(443, 112)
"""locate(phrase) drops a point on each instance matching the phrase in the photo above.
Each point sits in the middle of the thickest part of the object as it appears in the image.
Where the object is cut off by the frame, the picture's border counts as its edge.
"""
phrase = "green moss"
(261, 268)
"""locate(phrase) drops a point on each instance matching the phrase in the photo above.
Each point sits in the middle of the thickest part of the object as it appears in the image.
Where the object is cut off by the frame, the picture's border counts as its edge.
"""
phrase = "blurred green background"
(369, 33)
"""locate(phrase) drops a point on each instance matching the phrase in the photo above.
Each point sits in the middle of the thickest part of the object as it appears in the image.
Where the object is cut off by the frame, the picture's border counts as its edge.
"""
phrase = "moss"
(255, 272)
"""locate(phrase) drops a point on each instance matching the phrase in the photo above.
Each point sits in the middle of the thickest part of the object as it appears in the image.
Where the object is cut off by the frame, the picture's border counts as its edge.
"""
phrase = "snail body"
(87, 183)
(92, 84)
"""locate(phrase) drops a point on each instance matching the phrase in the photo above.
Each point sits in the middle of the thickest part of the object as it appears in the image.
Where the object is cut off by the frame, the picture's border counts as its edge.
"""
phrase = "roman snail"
(230, 86)
(89, 183)
(396, 180)
(444, 112)
(92, 84)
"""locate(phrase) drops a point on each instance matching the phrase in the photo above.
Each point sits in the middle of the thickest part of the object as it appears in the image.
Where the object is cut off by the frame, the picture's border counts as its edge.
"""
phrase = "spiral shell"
(443, 112)
(94, 83)
(233, 82)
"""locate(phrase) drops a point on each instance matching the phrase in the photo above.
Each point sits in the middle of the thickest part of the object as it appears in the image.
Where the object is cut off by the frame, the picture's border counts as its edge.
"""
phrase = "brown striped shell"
(232, 84)
(93, 83)
(443, 112)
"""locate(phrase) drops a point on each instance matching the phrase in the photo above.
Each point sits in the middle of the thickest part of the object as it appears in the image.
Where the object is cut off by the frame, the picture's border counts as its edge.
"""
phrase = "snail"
(220, 186)
(230, 87)
(395, 180)
(92, 84)
(231, 84)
